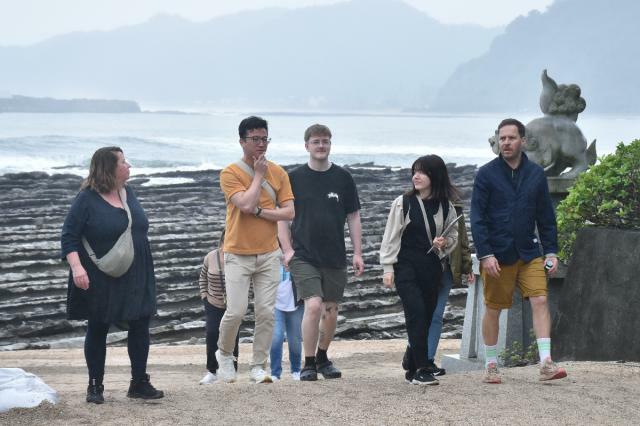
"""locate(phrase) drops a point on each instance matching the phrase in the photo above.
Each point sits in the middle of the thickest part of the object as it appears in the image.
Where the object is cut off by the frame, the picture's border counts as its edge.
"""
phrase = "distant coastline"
(26, 104)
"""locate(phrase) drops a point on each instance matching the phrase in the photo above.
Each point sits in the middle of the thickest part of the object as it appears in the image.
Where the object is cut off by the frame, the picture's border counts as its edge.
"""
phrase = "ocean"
(160, 142)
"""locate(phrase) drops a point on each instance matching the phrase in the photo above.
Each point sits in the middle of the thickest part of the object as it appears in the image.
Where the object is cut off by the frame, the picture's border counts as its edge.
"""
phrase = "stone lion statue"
(554, 141)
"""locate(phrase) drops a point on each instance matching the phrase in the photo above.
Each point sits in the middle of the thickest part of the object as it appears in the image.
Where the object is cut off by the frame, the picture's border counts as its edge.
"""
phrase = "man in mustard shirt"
(258, 194)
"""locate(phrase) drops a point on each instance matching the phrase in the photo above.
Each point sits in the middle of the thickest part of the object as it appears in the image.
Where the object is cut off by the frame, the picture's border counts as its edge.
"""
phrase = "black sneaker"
(144, 389)
(94, 392)
(434, 369)
(329, 371)
(408, 376)
(308, 374)
(424, 377)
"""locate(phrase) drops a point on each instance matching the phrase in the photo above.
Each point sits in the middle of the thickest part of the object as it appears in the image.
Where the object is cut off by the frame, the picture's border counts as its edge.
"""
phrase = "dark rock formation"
(598, 311)
(185, 222)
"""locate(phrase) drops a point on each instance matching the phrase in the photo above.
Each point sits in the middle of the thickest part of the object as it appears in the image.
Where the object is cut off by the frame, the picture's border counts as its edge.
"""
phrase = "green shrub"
(606, 195)
(516, 356)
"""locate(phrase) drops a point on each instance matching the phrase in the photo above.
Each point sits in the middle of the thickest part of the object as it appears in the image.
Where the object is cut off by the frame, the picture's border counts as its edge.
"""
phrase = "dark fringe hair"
(102, 171)
(441, 187)
(252, 123)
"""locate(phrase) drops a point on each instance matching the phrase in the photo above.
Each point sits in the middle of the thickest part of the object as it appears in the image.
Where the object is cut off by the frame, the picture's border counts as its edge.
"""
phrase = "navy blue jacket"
(506, 206)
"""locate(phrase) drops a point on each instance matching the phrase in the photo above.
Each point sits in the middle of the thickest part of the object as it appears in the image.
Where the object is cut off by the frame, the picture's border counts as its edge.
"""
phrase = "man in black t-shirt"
(325, 198)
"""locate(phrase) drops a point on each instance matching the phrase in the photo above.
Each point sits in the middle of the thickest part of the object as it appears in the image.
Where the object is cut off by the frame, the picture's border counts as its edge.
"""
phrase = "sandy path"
(372, 392)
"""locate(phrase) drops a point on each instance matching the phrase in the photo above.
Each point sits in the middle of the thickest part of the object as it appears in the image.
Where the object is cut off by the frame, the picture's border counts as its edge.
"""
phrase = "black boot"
(143, 388)
(407, 360)
(94, 391)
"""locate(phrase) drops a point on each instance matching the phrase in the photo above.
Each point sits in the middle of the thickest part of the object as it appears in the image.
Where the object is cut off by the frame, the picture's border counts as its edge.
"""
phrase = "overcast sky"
(29, 21)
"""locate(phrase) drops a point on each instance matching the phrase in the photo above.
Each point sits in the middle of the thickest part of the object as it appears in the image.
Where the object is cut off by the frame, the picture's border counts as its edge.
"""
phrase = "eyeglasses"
(317, 142)
(257, 139)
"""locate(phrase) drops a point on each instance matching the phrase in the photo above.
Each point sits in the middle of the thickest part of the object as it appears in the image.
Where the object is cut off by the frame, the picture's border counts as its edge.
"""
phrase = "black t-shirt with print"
(322, 202)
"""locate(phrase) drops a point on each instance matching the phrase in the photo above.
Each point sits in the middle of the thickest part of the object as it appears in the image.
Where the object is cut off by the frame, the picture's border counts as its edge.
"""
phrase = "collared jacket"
(506, 207)
(460, 257)
(396, 225)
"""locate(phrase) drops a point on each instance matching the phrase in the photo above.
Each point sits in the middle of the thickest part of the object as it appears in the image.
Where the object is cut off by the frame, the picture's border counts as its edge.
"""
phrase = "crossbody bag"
(117, 261)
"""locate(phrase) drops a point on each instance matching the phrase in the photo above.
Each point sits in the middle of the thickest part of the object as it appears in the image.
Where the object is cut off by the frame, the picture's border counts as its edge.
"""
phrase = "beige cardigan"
(211, 281)
(390, 246)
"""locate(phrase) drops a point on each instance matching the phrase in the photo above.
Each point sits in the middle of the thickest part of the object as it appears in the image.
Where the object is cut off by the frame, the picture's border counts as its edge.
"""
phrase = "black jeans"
(95, 347)
(213, 318)
(417, 278)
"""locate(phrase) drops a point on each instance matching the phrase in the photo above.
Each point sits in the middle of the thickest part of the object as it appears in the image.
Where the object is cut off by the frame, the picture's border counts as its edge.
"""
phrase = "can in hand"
(548, 264)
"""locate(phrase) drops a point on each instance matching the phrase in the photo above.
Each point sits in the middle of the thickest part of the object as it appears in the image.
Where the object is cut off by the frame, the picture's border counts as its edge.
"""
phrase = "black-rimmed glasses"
(257, 139)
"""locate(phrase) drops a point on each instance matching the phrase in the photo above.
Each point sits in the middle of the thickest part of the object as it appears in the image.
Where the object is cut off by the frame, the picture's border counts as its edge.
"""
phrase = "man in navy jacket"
(510, 200)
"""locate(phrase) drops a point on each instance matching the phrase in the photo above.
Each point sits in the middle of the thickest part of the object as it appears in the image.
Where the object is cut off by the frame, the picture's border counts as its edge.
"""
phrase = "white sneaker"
(208, 378)
(226, 371)
(258, 375)
(274, 379)
(295, 375)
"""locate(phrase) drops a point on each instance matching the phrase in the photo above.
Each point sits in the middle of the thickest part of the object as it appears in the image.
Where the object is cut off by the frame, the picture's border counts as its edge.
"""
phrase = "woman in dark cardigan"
(98, 214)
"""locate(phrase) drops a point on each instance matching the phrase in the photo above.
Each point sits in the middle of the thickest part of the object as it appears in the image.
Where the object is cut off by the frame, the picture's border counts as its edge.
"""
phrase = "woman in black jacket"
(100, 216)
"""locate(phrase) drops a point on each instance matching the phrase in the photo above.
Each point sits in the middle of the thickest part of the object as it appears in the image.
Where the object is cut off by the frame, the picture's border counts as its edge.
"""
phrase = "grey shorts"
(310, 281)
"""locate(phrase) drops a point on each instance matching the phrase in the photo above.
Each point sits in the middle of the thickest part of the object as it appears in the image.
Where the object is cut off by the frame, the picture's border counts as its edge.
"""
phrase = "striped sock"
(544, 348)
(490, 355)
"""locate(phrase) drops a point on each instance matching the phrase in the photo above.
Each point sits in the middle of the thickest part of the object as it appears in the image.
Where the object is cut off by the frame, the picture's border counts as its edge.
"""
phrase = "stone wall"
(598, 316)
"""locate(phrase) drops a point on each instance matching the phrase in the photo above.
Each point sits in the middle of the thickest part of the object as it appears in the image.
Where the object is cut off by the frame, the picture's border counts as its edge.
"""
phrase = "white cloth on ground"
(19, 389)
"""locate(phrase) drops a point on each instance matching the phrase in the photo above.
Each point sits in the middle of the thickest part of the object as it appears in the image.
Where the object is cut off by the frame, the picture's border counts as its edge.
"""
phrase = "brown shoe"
(550, 371)
(492, 375)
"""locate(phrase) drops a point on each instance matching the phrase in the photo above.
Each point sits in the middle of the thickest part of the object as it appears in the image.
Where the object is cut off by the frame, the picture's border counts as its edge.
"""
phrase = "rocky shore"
(186, 211)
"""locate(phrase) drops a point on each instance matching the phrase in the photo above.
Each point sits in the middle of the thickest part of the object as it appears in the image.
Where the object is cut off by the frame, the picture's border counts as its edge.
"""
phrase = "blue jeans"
(436, 322)
(291, 323)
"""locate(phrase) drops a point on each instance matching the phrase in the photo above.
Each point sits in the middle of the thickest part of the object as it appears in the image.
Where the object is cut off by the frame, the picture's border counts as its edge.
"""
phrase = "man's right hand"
(491, 265)
(260, 165)
(286, 258)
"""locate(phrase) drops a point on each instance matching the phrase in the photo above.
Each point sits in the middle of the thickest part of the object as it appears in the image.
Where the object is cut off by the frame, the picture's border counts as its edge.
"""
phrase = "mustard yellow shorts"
(530, 278)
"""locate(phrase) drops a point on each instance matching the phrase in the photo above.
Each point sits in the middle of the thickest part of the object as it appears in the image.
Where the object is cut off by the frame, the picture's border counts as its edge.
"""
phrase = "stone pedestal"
(559, 188)
(599, 304)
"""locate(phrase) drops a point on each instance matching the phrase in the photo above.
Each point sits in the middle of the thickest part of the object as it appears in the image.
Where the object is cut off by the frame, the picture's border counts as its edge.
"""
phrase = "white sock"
(544, 348)
(490, 355)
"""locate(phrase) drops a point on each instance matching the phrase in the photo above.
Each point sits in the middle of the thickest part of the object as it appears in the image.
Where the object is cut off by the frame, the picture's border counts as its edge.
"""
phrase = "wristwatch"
(258, 211)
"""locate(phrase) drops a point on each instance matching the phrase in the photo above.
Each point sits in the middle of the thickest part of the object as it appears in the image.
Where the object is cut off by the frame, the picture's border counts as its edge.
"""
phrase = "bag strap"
(122, 194)
(265, 185)
(424, 216)
(445, 211)
(405, 208)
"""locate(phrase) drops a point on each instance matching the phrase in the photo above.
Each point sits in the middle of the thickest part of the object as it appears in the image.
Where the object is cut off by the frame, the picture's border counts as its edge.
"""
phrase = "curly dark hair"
(102, 171)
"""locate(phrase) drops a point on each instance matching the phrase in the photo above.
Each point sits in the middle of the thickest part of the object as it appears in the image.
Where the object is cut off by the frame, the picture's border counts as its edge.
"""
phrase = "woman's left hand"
(439, 242)
(471, 278)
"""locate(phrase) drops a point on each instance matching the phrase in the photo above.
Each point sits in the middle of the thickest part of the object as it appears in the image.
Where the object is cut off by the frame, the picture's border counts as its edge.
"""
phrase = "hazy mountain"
(358, 54)
(593, 43)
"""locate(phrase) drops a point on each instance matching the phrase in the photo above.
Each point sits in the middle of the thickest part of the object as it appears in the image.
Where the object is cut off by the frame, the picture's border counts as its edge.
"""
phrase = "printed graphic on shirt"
(333, 195)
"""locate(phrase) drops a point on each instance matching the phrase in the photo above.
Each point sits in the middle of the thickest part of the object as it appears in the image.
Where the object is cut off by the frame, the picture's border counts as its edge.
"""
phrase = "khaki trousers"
(263, 270)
